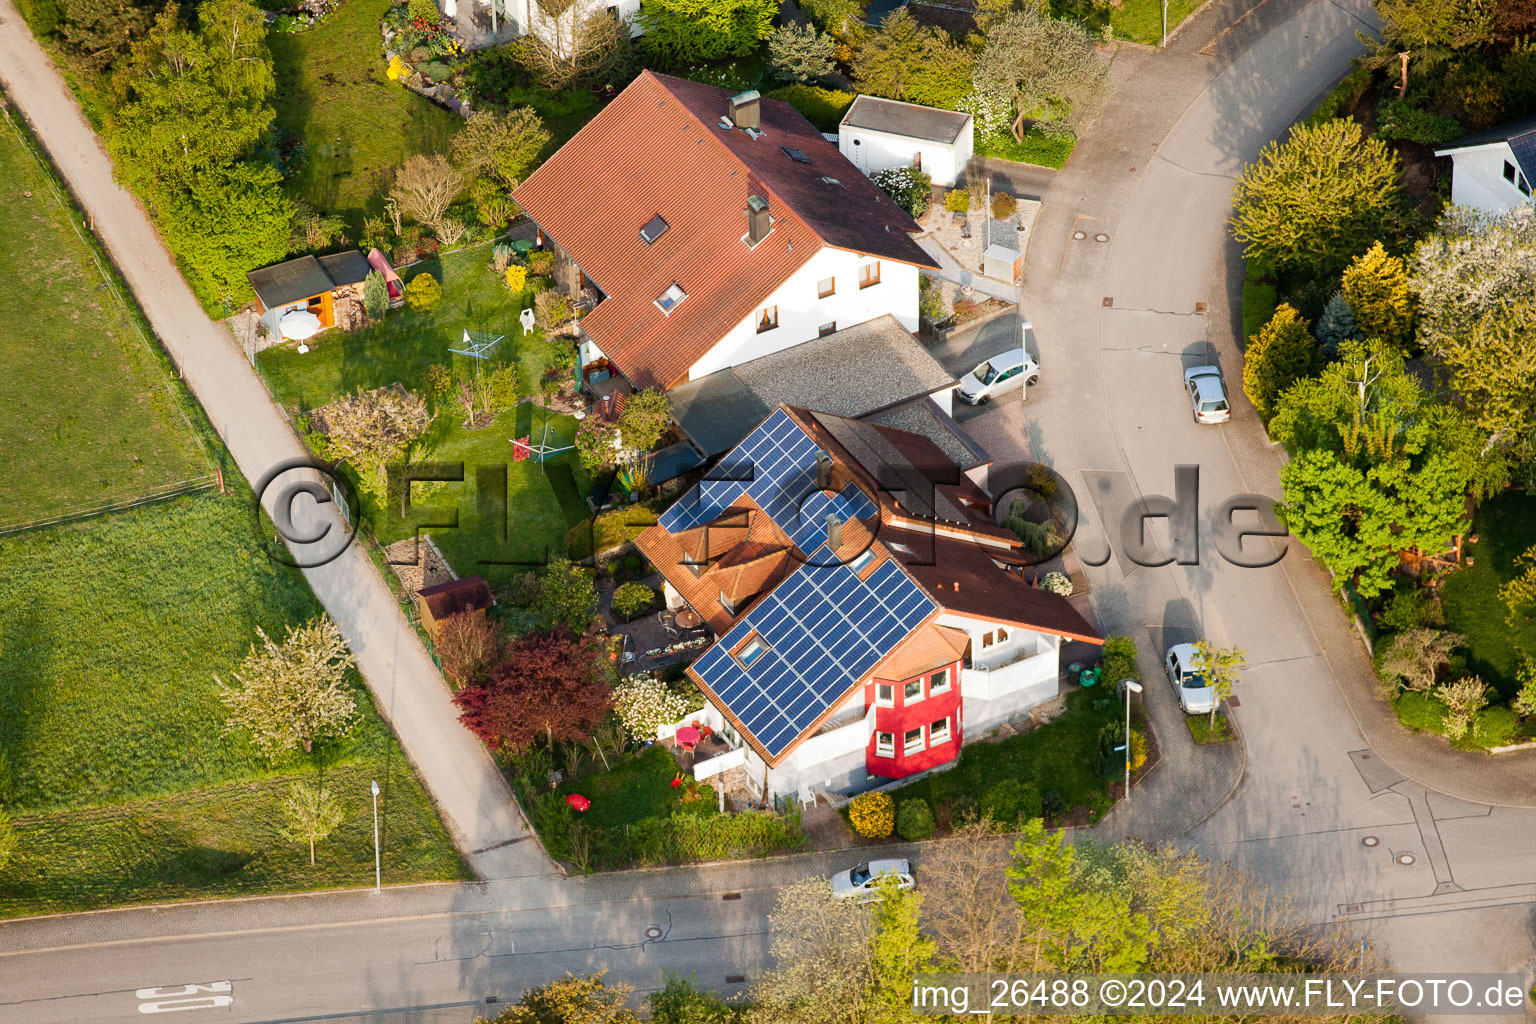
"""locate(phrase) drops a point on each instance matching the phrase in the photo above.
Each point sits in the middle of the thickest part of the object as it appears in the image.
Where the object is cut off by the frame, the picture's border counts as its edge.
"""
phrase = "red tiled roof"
(656, 149)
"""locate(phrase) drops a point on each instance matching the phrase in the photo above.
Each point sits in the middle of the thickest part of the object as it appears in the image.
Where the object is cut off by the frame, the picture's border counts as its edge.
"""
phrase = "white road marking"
(171, 998)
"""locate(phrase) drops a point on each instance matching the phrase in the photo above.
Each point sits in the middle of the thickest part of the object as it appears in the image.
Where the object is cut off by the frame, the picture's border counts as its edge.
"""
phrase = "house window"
(938, 732)
(1002, 636)
(885, 695)
(988, 639)
(796, 155)
(1509, 172)
(885, 744)
(912, 740)
(869, 274)
(767, 318)
(748, 653)
(830, 181)
(826, 329)
(912, 691)
(727, 604)
(692, 564)
(859, 564)
(938, 682)
(670, 298)
(654, 228)
(825, 287)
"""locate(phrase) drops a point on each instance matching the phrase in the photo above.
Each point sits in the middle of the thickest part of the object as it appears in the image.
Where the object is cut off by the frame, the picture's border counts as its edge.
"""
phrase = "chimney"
(823, 470)
(758, 222)
(834, 532)
(743, 110)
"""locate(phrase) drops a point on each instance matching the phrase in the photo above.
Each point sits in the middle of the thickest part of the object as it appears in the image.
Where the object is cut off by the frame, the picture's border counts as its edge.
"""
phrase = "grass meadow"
(89, 414)
(1505, 528)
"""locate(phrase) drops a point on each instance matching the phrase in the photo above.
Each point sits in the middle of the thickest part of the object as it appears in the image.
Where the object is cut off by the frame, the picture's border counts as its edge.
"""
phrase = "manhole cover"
(1406, 858)
(1101, 237)
(1201, 307)
(1370, 841)
(1079, 235)
(1109, 300)
(653, 932)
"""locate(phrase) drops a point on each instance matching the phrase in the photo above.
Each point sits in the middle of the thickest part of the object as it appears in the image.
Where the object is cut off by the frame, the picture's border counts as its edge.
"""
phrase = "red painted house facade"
(917, 723)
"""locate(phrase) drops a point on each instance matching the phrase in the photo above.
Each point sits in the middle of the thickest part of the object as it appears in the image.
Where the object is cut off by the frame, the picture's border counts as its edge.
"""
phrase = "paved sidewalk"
(474, 801)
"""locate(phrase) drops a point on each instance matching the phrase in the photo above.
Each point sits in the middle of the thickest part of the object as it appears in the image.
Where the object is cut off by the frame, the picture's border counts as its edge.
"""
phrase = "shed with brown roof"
(444, 600)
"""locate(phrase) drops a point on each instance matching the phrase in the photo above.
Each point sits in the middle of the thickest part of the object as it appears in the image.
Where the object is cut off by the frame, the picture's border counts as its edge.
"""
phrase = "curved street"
(1323, 764)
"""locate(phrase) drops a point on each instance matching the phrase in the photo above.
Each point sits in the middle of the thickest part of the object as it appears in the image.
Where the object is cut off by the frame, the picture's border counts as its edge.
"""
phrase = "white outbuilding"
(1494, 170)
(877, 134)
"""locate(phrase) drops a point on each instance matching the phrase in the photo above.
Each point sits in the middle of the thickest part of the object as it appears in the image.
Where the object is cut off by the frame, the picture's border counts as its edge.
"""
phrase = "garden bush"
(633, 564)
(957, 200)
(633, 600)
(872, 815)
(1009, 802)
(1420, 711)
(541, 262)
(1396, 119)
(1344, 96)
(1495, 726)
(824, 108)
(907, 186)
(423, 294)
(1004, 206)
(712, 837)
(645, 703)
(914, 819)
(424, 10)
(609, 530)
(1119, 660)
(1056, 583)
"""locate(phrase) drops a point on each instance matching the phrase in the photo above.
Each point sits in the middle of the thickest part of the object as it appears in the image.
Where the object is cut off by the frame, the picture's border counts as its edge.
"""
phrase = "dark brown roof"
(293, 281)
(461, 595)
(658, 149)
(345, 268)
(962, 577)
(909, 120)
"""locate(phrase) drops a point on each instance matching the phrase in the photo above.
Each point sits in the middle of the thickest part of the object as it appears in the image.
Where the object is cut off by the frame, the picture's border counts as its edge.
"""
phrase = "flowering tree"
(645, 703)
(371, 429)
(293, 696)
(907, 186)
(310, 815)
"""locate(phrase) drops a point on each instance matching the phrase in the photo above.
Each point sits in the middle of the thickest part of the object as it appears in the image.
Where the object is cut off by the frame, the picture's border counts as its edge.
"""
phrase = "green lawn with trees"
(112, 727)
(1505, 528)
(89, 409)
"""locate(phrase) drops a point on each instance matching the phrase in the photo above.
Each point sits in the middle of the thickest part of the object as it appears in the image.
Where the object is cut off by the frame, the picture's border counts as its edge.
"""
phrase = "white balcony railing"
(1028, 668)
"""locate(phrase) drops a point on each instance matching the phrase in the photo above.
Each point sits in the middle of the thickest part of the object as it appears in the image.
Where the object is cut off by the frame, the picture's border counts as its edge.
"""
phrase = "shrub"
(423, 294)
(375, 295)
(1111, 760)
(872, 815)
(824, 108)
(1119, 660)
(435, 70)
(1406, 609)
(1344, 96)
(1004, 206)
(541, 262)
(1397, 120)
(1420, 711)
(1495, 726)
(1010, 802)
(712, 836)
(517, 279)
(1474, 95)
(553, 309)
(645, 703)
(957, 200)
(1057, 583)
(424, 10)
(633, 564)
(907, 186)
(397, 68)
(914, 819)
(1282, 353)
(633, 600)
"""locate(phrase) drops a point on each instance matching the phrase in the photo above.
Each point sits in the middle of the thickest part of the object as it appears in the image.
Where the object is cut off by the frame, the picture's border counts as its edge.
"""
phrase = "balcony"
(1028, 665)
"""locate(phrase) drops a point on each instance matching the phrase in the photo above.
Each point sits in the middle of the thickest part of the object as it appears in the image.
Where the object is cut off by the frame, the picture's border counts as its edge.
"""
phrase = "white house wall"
(1477, 180)
(802, 311)
(871, 151)
(533, 21)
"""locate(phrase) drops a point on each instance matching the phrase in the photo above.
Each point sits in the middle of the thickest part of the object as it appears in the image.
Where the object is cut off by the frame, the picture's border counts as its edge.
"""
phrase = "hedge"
(824, 108)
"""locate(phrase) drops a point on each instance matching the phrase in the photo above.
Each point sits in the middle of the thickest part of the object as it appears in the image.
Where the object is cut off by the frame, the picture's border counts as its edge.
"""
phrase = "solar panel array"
(825, 629)
(775, 466)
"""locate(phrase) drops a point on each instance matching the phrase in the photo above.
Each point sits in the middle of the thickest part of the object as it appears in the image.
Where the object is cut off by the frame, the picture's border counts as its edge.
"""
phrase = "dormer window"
(671, 298)
(830, 181)
(654, 229)
(692, 564)
(860, 563)
(796, 155)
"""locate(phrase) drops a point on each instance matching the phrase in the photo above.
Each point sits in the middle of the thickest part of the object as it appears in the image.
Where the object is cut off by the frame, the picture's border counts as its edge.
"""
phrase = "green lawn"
(357, 125)
(639, 787)
(1060, 756)
(1200, 728)
(1035, 148)
(111, 728)
(88, 410)
(403, 344)
(1141, 21)
(1505, 527)
(1259, 299)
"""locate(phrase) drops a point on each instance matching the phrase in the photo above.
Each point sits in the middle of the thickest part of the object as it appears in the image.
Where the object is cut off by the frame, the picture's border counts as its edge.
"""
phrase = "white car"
(997, 376)
(1207, 394)
(861, 884)
(1195, 697)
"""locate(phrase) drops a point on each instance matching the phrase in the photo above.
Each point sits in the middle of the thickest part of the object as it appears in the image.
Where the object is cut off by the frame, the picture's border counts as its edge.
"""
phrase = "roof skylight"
(654, 229)
(671, 298)
(796, 155)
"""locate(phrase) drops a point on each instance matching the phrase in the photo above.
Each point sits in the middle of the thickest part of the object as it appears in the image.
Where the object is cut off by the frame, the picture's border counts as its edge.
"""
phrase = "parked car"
(1195, 697)
(1207, 394)
(861, 884)
(997, 376)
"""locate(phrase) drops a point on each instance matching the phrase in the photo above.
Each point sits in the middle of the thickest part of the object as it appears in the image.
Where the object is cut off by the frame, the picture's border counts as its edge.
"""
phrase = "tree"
(907, 61)
(798, 53)
(1277, 357)
(1336, 325)
(7, 839)
(576, 46)
(1313, 203)
(496, 151)
(1041, 69)
(310, 815)
(1380, 296)
(1432, 29)
(645, 704)
(566, 596)
(373, 429)
(692, 31)
(425, 186)
(968, 908)
(1518, 594)
(1416, 656)
(467, 645)
(423, 294)
(823, 966)
(1475, 278)
(490, 393)
(1523, 702)
(899, 952)
(839, 17)
(1219, 667)
(583, 999)
(679, 1001)
(548, 688)
(375, 295)
(294, 696)
(1463, 699)
(601, 444)
(98, 33)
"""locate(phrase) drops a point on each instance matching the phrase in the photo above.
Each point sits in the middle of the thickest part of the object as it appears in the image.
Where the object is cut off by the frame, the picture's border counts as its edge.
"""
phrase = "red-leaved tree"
(550, 686)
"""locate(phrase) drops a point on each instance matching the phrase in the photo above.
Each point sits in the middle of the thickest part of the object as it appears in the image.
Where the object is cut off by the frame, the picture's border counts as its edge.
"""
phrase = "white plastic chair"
(526, 318)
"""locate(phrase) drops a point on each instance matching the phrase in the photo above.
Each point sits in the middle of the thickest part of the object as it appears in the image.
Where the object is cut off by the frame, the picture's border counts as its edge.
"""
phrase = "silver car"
(1207, 394)
(861, 884)
(1195, 697)
(997, 376)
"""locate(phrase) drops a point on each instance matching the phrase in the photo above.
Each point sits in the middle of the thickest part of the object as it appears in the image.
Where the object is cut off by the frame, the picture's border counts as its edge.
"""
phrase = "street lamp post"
(1130, 686)
(1165, 24)
(378, 871)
